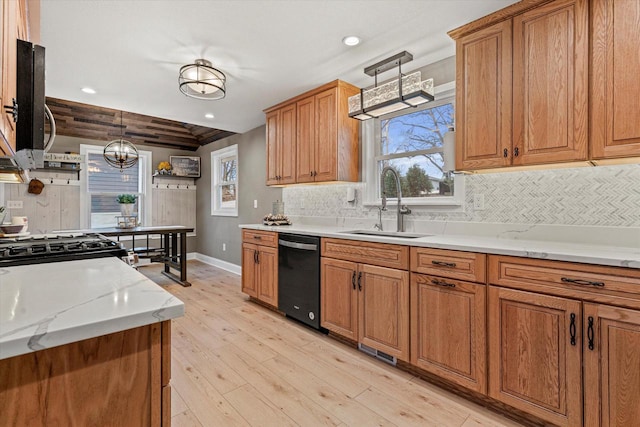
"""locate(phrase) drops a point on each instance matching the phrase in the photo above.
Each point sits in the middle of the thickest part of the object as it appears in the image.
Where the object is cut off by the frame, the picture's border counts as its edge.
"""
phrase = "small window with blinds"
(105, 183)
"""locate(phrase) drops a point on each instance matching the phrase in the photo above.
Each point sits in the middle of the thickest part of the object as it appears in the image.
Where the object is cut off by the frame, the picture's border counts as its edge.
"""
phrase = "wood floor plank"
(339, 404)
(236, 363)
(256, 408)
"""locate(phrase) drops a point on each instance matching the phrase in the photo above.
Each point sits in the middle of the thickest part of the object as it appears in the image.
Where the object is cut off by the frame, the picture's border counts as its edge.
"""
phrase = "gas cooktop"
(44, 248)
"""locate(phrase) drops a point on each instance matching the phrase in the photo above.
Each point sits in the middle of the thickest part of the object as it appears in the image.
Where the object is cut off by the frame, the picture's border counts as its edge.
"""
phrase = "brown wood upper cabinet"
(615, 128)
(522, 86)
(310, 138)
(14, 17)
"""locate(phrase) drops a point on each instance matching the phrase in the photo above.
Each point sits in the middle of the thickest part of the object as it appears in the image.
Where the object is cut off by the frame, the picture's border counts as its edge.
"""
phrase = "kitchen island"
(84, 343)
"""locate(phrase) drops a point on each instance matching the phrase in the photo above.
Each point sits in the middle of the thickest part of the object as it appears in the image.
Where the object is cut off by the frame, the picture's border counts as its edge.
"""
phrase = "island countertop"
(51, 304)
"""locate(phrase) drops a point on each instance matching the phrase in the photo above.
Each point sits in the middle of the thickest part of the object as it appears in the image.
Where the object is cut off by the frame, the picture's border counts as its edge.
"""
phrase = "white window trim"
(445, 94)
(145, 160)
(231, 150)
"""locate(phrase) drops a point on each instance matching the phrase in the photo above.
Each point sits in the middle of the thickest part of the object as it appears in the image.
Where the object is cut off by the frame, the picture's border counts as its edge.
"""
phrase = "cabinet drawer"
(454, 264)
(382, 254)
(609, 284)
(264, 238)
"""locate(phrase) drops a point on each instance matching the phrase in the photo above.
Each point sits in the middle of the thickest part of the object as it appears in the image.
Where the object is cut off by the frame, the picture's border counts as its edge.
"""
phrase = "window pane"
(420, 176)
(228, 196)
(420, 130)
(103, 177)
(228, 169)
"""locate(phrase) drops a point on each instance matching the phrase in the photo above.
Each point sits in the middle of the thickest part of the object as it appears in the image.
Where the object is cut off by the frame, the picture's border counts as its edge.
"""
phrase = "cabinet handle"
(12, 109)
(257, 237)
(572, 329)
(360, 281)
(590, 333)
(257, 257)
(353, 280)
(444, 264)
(505, 153)
(516, 151)
(442, 283)
(582, 282)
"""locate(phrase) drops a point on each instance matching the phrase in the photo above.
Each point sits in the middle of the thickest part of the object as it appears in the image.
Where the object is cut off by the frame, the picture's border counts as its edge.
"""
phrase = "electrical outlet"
(224, 247)
(255, 204)
(301, 203)
(478, 202)
(14, 204)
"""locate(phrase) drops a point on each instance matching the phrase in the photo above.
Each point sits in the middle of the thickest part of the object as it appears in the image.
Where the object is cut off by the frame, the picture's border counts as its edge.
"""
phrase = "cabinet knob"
(505, 153)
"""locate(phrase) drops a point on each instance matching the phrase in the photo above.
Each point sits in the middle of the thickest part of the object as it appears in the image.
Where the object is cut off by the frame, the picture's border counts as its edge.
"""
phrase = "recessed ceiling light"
(351, 40)
(209, 116)
(88, 90)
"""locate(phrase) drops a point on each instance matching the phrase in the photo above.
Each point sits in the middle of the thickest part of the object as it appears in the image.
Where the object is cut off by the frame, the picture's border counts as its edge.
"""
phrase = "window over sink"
(412, 142)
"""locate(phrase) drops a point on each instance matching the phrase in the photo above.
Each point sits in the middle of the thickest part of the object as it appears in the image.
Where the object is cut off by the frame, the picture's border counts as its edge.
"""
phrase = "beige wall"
(213, 231)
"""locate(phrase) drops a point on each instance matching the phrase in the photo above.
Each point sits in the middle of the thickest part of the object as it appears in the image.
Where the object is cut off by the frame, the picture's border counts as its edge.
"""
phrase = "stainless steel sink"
(398, 234)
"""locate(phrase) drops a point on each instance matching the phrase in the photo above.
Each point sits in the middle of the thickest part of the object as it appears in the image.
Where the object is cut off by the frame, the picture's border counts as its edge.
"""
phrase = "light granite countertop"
(559, 251)
(46, 305)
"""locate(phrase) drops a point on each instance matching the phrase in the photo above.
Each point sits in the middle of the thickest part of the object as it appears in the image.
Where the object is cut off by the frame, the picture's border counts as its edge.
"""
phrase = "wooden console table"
(174, 246)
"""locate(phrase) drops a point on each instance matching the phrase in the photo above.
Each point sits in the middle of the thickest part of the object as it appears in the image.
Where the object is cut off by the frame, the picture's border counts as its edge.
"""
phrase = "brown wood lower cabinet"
(366, 303)
(260, 272)
(120, 379)
(611, 366)
(535, 354)
(448, 329)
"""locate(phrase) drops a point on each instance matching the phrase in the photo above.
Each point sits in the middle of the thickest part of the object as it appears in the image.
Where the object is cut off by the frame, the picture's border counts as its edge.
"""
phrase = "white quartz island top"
(51, 304)
(559, 251)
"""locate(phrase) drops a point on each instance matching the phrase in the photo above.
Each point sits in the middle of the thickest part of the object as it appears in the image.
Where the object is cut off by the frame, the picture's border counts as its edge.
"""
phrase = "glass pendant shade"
(200, 80)
(398, 94)
(121, 154)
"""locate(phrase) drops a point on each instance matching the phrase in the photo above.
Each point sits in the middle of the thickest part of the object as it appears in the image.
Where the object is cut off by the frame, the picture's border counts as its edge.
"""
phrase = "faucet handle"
(404, 210)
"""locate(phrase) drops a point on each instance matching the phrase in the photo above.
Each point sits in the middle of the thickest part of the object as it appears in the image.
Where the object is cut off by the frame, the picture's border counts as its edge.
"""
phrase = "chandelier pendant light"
(120, 153)
(407, 91)
(200, 80)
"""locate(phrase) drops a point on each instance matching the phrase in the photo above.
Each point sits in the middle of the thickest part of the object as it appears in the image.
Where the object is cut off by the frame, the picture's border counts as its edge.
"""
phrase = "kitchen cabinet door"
(326, 131)
(305, 164)
(384, 309)
(9, 34)
(550, 83)
(611, 347)
(483, 98)
(615, 128)
(272, 126)
(339, 297)
(448, 335)
(287, 145)
(267, 275)
(249, 283)
(535, 354)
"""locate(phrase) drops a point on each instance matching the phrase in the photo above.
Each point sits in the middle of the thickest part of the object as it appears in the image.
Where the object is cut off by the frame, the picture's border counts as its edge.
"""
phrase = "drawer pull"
(572, 329)
(257, 237)
(442, 283)
(444, 264)
(582, 282)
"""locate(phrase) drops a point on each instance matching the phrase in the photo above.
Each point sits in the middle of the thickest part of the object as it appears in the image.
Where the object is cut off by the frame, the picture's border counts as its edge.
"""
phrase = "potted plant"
(127, 202)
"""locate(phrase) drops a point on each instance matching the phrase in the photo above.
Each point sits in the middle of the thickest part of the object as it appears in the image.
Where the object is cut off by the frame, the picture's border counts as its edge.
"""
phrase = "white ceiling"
(130, 51)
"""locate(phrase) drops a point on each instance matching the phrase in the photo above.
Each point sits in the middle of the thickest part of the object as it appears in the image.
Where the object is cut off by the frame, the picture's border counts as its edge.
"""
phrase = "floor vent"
(391, 360)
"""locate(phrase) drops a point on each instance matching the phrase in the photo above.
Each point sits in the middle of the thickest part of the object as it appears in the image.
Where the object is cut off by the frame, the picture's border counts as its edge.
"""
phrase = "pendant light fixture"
(200, 80)
(121, 153)
(407, 91)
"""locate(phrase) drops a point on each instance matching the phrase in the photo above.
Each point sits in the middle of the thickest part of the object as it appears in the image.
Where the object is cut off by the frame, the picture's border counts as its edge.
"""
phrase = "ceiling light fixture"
(88, 90)
(351, 40)
(120, 153)
(209, 115)
(200, 80)
(407, 91)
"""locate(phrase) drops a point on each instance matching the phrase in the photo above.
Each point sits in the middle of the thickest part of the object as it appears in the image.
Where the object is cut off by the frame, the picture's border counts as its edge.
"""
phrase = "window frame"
(445, 94)
(145, 162)
(216, 157)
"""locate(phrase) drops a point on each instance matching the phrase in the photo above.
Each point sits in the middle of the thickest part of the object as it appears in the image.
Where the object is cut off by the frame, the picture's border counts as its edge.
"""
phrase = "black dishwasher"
(299, 278)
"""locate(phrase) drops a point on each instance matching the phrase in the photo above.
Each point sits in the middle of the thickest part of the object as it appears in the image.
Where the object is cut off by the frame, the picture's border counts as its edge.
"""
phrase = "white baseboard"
(225, 265)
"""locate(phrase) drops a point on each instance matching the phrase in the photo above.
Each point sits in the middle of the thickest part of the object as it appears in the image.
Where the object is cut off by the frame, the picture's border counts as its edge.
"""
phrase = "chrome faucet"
(402, 210)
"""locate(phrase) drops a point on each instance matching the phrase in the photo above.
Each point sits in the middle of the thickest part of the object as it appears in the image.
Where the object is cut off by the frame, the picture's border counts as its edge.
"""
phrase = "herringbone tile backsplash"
(600, 196)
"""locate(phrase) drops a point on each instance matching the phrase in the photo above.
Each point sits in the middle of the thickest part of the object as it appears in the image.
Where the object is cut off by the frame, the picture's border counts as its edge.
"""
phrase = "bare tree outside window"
(413, 144)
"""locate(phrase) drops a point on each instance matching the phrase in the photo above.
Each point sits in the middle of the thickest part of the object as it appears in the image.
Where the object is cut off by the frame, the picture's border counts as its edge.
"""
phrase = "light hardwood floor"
(236, 363)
